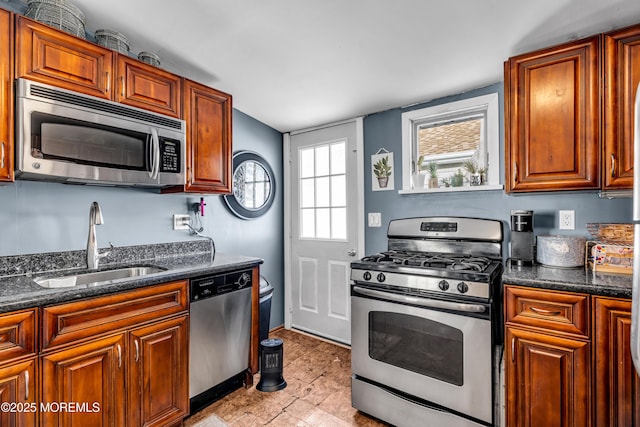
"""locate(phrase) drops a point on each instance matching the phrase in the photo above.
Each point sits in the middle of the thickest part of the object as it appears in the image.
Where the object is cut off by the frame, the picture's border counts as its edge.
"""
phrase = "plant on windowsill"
(418, 178)
(474, 172)
(382, 171)
(432, 168)
(457, 179)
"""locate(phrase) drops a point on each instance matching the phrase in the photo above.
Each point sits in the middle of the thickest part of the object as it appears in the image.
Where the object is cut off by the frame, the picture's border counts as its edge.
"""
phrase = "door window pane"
(323, 191)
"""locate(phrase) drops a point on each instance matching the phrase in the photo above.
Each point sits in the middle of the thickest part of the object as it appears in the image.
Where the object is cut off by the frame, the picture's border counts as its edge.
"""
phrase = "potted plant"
(483, 175)
(382, 171)
(457, 179)
(418, 178)
(474, 172)
(432, 168)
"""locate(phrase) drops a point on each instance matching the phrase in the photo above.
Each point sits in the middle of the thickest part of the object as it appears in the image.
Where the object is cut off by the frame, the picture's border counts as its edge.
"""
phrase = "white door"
(324, 221)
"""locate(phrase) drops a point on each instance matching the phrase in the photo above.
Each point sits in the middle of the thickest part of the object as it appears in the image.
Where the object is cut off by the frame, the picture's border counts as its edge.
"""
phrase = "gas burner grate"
(431, 260)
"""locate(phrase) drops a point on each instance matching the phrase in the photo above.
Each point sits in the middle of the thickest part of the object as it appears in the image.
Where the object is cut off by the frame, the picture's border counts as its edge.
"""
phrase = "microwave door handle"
(155, 154)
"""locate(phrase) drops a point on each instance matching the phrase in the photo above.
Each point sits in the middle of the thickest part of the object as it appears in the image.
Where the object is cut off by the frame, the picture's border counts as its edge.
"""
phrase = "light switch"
(375, 219)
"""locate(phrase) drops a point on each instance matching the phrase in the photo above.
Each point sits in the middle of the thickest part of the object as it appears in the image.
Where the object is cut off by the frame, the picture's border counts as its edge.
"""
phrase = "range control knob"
(443, 285)
(463, 287)
(243, 280)
(366, 276)
(381, 278)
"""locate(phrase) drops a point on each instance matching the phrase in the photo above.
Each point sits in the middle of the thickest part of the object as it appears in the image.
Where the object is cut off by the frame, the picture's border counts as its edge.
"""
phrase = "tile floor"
(318, 392)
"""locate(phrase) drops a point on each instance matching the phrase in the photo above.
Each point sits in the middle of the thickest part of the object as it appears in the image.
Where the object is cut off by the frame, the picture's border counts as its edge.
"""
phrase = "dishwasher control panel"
(211, 286)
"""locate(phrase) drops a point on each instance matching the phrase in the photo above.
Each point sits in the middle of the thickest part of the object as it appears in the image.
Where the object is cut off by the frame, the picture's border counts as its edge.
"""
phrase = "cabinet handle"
(119, 356)
(515, 172)
(513, 350)
(2, 155)
(26, 385)
(122, 84)
(613, 165)
(108, 83)
(137, 350)
(544, 312)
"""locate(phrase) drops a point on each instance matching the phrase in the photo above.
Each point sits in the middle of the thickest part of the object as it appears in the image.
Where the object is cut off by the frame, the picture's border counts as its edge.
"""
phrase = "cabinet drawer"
(76, 321)
(561, 312)
(17, 335)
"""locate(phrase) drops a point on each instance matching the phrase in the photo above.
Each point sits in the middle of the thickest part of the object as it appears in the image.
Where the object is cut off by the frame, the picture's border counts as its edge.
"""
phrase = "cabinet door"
(6, 97)
(144, 86)
(547, 380)
(552, 132)
(92, 375)
(622, 75)
(47, 55)
(617, 386)
(18, 387)
(159, 375)
(208, 116)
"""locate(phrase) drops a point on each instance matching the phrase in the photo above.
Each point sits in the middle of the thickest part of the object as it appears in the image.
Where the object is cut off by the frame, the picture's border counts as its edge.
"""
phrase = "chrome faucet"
(95, 218)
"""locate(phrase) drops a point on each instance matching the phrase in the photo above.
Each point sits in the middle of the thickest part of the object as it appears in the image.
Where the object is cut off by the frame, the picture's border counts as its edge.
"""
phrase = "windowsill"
(453, 189)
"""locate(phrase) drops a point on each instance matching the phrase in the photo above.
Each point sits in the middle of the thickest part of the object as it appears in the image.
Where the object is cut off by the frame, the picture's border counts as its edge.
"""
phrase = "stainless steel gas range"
(426, 336)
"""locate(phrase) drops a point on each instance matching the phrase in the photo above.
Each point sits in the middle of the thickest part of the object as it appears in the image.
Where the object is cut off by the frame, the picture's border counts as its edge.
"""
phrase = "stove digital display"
(450, 227)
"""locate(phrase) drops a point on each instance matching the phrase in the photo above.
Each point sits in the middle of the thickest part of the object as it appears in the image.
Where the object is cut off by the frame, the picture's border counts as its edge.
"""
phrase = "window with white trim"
(454, 137)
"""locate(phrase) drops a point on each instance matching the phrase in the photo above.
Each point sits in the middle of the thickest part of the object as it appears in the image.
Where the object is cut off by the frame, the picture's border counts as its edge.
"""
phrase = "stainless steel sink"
(95, 278)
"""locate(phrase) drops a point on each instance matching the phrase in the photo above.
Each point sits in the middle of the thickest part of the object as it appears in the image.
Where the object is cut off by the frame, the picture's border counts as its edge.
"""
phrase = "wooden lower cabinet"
(135, 378)
(158, 373)
(91, 374)
(18, 390)
(548, 379)
(617, 385)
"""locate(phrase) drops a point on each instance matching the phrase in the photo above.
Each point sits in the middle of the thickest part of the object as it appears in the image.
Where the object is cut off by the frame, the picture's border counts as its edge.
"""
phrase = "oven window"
(417, 344)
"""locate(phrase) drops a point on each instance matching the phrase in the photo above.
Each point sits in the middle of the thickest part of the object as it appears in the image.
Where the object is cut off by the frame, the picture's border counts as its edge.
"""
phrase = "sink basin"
(95, 278)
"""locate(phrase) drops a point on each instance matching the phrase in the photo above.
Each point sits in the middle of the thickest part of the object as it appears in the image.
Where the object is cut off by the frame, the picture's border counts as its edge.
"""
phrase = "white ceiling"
(294, 64)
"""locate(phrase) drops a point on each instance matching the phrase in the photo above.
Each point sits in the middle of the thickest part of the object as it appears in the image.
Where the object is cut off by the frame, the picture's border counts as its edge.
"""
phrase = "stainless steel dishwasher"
(220, 334)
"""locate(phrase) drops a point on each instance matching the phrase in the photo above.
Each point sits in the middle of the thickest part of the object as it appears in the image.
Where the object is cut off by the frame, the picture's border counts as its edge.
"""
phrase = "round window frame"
(233, 204)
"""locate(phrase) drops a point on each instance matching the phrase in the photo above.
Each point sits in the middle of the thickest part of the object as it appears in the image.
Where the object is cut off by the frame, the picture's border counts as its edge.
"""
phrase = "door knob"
(351, 252)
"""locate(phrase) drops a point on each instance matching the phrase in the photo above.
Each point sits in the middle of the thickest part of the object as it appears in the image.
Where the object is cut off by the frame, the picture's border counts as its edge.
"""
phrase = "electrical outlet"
(181, 222)
(375, 219)
(567, 220)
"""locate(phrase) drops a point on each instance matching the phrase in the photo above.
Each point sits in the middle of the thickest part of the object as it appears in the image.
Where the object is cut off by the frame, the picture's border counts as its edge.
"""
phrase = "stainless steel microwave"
(66, 136)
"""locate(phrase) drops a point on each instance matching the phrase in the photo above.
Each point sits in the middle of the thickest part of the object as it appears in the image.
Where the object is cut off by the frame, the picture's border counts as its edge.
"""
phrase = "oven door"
(441, 355)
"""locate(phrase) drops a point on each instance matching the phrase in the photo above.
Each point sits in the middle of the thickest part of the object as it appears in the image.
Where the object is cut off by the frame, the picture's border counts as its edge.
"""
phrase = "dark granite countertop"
(19, 291)
(578, 279)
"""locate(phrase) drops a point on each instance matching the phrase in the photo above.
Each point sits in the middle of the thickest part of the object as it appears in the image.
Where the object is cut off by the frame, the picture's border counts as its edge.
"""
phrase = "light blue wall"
(49, 217)
(383, 130)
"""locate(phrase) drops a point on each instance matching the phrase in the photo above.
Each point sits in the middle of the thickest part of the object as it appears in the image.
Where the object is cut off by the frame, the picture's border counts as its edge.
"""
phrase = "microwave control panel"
(170, 155)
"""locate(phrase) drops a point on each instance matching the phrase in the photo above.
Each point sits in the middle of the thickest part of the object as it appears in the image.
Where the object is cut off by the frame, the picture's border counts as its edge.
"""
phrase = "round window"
(253, 186)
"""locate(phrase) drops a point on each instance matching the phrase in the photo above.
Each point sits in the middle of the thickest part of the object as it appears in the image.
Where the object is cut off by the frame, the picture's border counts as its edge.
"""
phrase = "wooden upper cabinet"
(145, 86)
(552, 118)
(49, 56)
(616, 383)
(6, 96)
(621, 79)
(208, 116)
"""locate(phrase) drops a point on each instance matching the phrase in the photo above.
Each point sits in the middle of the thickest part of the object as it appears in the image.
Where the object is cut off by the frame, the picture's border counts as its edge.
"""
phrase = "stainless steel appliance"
(67, 136)
(522, 237)
(220, 336)
(635, 306)
(426, 325)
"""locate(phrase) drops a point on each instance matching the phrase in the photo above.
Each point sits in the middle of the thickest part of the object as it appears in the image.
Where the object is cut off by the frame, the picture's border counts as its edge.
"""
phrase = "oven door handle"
(422, 302)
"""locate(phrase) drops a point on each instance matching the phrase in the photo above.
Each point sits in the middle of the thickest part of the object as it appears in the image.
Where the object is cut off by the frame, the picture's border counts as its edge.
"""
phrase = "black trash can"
(266, 292)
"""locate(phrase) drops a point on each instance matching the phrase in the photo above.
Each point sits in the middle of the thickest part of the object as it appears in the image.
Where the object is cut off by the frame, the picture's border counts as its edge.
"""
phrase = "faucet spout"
(95, 218)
